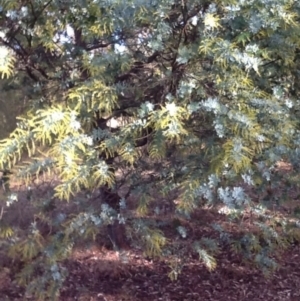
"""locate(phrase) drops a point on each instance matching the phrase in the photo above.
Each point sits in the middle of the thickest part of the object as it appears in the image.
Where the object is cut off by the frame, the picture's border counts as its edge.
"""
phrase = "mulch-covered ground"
(98, 274)
(104, 277)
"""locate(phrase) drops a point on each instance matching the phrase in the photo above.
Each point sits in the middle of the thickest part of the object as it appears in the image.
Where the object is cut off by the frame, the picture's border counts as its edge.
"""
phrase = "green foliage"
(7, 61)
(157, 96)
(204, 248)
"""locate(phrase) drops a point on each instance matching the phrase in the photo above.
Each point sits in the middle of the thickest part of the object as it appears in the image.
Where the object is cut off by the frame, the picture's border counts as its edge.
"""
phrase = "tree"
(198, 97)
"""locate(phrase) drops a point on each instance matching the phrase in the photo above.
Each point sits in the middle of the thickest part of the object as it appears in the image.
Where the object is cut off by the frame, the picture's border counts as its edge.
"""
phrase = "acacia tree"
(200, 97)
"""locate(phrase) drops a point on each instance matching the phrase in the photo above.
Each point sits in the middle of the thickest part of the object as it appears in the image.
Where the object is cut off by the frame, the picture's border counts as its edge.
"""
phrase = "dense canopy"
(184, 104)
